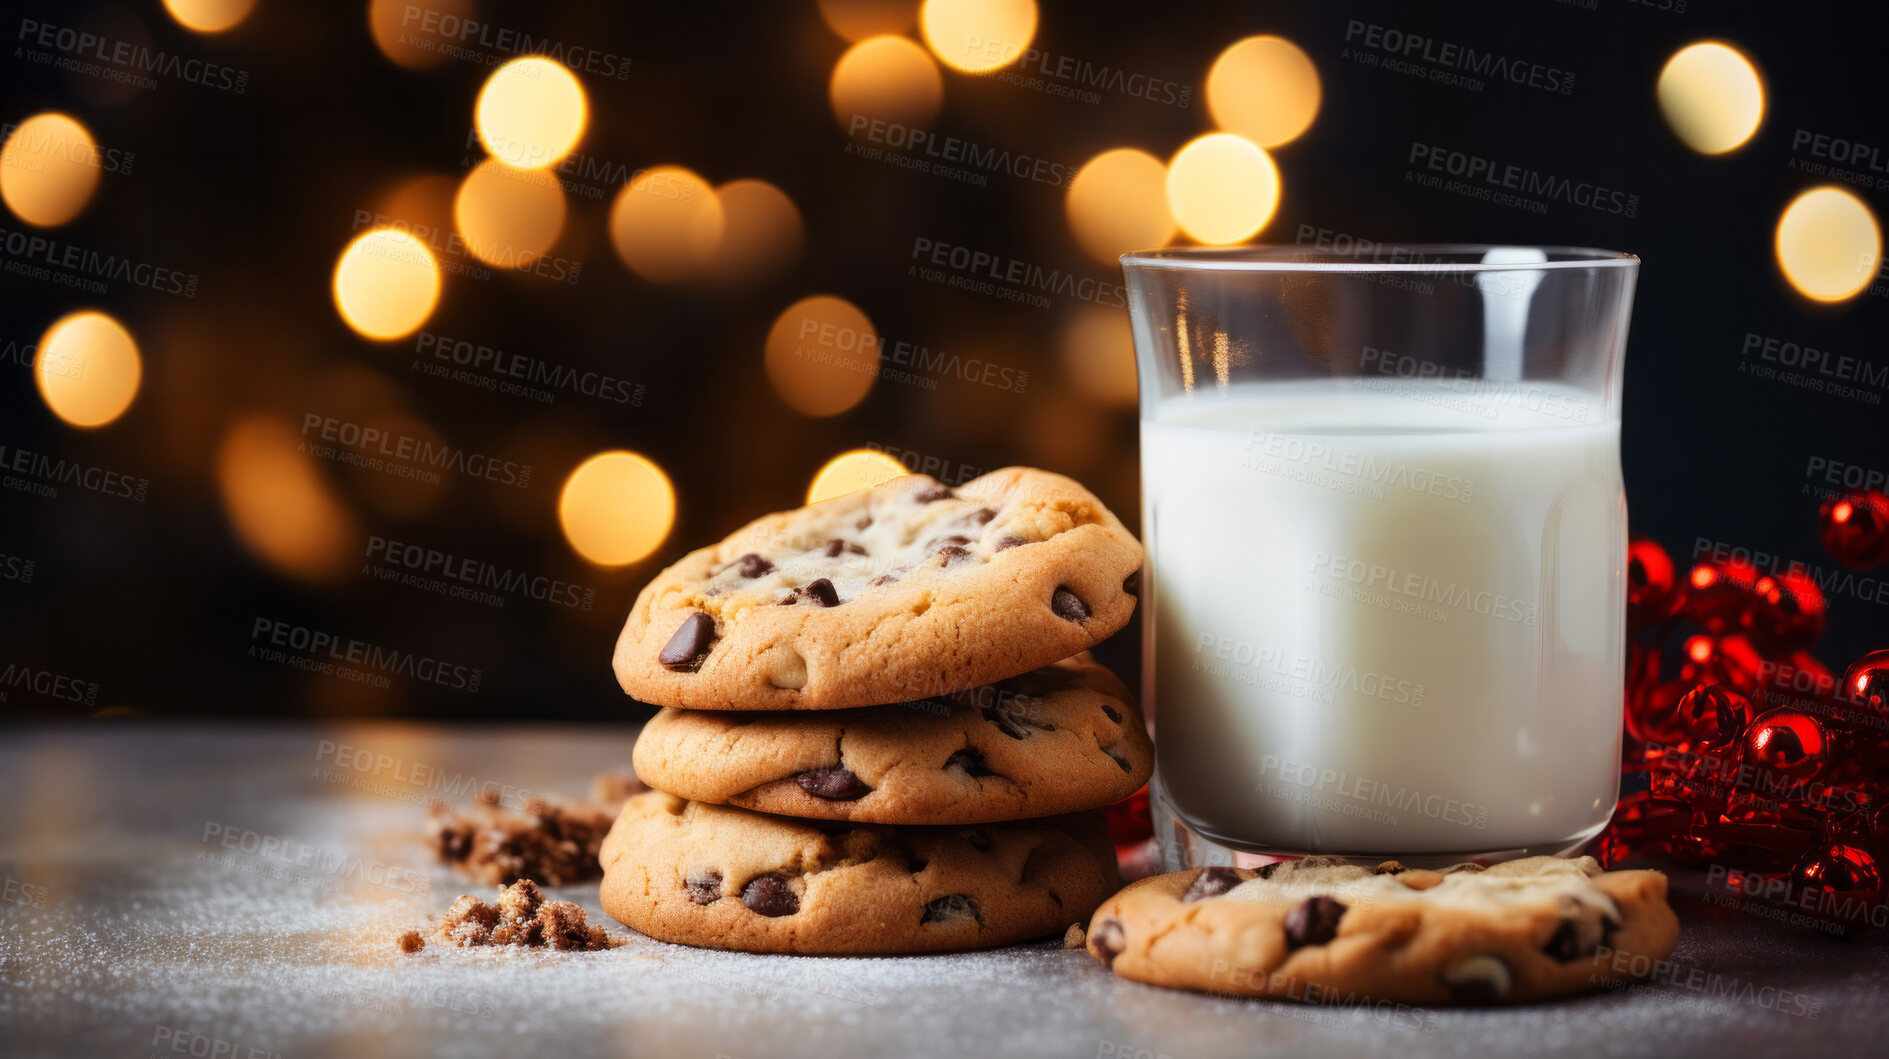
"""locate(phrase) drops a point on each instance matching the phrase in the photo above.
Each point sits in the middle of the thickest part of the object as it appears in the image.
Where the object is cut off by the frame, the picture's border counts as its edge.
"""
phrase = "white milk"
(1387, 616)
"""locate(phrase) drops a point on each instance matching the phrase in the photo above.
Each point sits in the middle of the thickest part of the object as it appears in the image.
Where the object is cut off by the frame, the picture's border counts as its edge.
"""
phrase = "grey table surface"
(234, 892)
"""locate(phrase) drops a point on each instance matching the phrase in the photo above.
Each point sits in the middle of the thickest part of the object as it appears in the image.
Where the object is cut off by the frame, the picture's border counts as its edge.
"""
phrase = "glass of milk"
(1383, 612)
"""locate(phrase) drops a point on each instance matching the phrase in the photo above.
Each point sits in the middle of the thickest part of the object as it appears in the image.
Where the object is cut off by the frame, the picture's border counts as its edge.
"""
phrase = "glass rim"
(1403, 257)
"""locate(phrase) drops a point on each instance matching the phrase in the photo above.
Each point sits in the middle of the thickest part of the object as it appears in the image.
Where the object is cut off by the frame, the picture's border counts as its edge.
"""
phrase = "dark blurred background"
(189, 557)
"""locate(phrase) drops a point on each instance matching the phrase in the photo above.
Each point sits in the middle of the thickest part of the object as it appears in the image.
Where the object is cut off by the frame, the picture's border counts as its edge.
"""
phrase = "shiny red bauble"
(1866, 684)
(1718, 592)
(1854, 528)
(1787, 612)
(1652, 584)
(1842, 886)
(1786, 746)
(1711, 715)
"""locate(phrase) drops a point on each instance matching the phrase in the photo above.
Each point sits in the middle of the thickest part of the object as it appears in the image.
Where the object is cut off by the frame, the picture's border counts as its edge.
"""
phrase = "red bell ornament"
(1787, 612)
(1787, 746)
(1842, 886)
(1854, 528)
(1866, 684)
(1717, 593)
(1711, 715)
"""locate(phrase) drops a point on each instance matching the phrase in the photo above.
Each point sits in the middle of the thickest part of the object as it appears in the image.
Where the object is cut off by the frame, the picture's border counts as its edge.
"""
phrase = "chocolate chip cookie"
(1056, 740)
(1323, 930)
(904, 591)
(728, 878)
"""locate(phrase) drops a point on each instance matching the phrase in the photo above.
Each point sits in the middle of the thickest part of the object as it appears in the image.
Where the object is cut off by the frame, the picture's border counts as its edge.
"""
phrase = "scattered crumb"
(612, 788)
(522, 918)
(1075, 938)
(411, 942)
(552, 839)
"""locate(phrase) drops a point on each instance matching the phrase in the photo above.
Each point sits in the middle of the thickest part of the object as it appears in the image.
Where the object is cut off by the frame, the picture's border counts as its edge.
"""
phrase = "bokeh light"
(416, 33)
(1098, 355)
(279, 505)
(856, 20)
(1828, 244)
(666, 224)
(885, 79)
(978, 35)
(508, 217)
(616, 508)
(849, 472)
(1118, 203)
(1712, 97)
(48, 169)
(1222, 188)
(87, 368)
(822, 355)
(531, 112)
(761, 230)
(209, 16)
(1264, 88)
(386, 284)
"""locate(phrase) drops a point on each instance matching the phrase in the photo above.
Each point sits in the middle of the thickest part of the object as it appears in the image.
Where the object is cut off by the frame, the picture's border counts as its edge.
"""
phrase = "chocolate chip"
(1008, 541)
(1112, 713)
(983, 515)
(834, 547)
(1132, 583)
(1109, 939)
(942, 543)
(1120, 758)
(934, 492)
(882, 579)
(833, 784)
(1313, 922)
(864, 521)
(970, 761)
(1006, 719)
(951, 553)
(1565, 944)
(821, 591)
(914, 862)
(689, 646)
(704, 889)
(752, 566)
(1265, 870)
(1068, 606)
(950, 908)
(979, 840)
(769, 895)
(1211, 882)
(1479, 979)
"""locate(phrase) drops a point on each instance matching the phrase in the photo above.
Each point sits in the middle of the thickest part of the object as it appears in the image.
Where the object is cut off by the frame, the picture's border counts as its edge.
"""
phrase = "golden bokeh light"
(1098, 354)
(822, 355)
(1264, 88)
(616, 508)
(1118, 203)
(666, 224)
(1222, 188)
(856, 20)
(1712, 96)
(978, 36)
(87, 368)
(1828, 244)
(209, 16)
(386, 284)
(279, 505)
(885, 79)
(508, 217)
(48, 169)
(761, 230)
(417, 34)
(531, 112)
(849, 472)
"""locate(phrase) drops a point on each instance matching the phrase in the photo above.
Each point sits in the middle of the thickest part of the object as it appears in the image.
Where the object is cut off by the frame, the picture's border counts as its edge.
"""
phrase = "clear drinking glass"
(1384, 611)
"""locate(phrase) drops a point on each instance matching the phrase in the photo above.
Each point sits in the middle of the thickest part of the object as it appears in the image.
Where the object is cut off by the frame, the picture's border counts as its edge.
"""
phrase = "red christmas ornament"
(1787, 613)
(1841, 885)
(1866, 684)
(1855, 529)
(1717, 593)
(1711, 715)
(1752, 820)
(1652, 592)
(1651, 720)
(1795, 676)
(1787, 746)
(1130, 822)
(1728, 660)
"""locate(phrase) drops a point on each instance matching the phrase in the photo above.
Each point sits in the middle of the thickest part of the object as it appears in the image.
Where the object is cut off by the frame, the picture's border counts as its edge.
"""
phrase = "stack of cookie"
(881, 730)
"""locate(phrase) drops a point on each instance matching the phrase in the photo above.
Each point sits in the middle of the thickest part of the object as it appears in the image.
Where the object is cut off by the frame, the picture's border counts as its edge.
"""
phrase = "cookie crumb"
(521, 918)
(553, 839)
(612, 787)
(411, 942)
(1075, 938)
